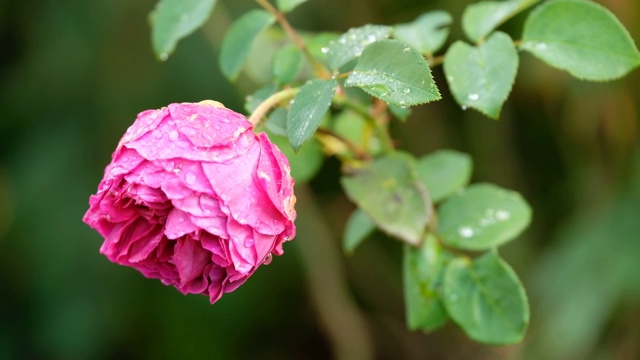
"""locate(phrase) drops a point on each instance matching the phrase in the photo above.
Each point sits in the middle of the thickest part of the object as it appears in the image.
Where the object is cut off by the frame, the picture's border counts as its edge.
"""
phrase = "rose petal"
(247, 204)
(178, 224)
(196, 122)
(190, 260)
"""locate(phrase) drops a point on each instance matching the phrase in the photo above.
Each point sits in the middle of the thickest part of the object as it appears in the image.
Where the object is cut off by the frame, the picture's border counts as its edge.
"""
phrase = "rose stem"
(270, 102)
(319, 69)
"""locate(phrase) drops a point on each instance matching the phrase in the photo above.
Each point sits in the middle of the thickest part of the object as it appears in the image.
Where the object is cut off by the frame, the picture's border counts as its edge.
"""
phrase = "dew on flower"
(173, 135)
(190, 178)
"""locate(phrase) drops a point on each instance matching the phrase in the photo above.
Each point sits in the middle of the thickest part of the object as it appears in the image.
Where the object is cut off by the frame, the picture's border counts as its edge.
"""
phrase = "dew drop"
(502, 215)
(267, 259)
(157, 134)
(248, 243)
(173, 135)
(407, 49)
(324, 50)
(190, 178)
(164, 56)
(541, 46)
(464, 107)
(473, 97)
(407, 90)
(465, 232)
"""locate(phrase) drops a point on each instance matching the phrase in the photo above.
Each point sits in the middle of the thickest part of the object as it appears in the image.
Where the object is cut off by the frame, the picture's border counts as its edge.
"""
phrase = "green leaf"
(480, 19)
(351, 44)
(582, 38)
(308, 108)
(423, 270)
(481, 77)
(172, 20)
(239, 39)
(427, 33)
(481, 217)
(389, 191)
(485, 297)
(444, 172)
(305, 163)
(251, 102)
(395, 73)
(287, 64)
(288, 5)
(359, 227)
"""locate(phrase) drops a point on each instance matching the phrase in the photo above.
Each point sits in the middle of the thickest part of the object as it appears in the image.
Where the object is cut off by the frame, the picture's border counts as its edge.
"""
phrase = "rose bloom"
(194, 198)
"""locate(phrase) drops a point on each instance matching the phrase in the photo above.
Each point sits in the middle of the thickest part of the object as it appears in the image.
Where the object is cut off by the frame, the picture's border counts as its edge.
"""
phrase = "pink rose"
(194, 198)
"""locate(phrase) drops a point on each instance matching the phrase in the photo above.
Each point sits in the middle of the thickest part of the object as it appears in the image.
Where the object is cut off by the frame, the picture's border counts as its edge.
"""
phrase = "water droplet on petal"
(173, 135)
(190, 178)
(157, 134)
(267, 259)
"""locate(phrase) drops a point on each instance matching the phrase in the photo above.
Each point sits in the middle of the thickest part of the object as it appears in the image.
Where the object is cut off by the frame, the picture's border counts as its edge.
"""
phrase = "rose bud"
(194, 198)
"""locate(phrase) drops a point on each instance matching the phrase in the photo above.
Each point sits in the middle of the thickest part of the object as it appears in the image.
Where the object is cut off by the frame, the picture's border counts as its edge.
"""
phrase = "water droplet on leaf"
(502, 215)
(465, 232)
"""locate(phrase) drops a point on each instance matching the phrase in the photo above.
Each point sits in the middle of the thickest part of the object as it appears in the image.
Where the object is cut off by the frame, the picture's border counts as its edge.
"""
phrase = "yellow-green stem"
(319, 69)
(270, 102)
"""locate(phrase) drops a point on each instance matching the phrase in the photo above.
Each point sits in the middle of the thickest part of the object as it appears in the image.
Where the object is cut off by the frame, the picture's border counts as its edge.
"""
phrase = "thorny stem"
(363, 111)
(270, 102)
(319, 69)
(359, 153)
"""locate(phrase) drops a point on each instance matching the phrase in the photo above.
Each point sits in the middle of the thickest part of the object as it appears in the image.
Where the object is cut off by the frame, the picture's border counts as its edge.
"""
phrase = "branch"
(270, 102)
(319, 69)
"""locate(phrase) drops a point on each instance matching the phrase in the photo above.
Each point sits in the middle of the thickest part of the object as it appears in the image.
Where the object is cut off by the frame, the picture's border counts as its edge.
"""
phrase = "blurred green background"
(73, 76)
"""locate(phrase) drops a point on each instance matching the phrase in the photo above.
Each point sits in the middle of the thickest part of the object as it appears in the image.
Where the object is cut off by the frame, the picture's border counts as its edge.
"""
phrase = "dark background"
(73, 76)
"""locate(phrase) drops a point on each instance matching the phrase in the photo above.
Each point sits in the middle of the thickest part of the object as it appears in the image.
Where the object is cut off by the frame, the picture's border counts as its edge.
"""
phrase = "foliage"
(373, 71)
